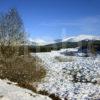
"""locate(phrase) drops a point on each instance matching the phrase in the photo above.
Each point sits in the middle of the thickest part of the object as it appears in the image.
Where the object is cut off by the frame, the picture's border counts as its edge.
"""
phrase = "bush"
(22, 69)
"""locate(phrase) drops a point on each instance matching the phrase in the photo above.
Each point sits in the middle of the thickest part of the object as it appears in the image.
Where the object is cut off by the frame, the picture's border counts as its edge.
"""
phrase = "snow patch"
(12, 92)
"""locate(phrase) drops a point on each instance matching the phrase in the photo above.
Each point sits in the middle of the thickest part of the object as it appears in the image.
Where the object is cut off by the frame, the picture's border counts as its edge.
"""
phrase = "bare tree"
(11, 33)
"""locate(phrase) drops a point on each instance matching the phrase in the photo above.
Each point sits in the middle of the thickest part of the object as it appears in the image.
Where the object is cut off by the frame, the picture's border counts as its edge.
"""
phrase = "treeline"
(93, 45)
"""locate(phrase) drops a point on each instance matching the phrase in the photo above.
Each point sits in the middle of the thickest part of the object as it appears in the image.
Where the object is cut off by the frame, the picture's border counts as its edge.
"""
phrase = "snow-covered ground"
(12, 92)
(61, 76)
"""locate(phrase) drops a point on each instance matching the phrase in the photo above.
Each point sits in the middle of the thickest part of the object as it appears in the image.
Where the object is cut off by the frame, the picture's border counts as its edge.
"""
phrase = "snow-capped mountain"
(41, 42)
(38, 42)
(80, 38)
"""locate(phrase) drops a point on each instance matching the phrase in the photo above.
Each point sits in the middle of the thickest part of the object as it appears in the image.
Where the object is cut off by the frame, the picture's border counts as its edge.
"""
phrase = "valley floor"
(71, 77)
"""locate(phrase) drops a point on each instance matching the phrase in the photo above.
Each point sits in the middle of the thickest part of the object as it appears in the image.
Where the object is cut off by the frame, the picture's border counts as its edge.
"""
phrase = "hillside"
(95, 44)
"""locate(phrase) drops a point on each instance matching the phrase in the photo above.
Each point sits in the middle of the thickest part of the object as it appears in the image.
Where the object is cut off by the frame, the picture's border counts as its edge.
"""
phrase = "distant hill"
(81, 38)
(87, 41)
(94, 44)
(40, 42)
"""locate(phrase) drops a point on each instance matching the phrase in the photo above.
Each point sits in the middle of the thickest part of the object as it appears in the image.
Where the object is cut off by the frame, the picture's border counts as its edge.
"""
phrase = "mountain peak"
(81, 38)
(38, 41)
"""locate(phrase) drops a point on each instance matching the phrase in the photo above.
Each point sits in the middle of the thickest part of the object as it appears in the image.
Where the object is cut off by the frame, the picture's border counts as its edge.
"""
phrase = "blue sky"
(52, 19)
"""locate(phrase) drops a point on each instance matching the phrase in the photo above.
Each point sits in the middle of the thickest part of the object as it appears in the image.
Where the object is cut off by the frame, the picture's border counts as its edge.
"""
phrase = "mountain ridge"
(41, 42)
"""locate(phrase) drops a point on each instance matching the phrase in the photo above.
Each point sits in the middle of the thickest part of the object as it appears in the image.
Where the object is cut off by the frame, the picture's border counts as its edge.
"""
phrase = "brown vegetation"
(21, 69)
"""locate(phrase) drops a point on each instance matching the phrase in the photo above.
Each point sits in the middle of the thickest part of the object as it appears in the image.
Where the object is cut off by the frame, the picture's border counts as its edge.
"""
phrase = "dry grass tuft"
(64, 59)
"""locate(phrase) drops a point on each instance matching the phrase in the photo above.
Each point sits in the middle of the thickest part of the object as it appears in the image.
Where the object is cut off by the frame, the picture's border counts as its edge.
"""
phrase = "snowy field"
(71, 77)
(9, 91)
